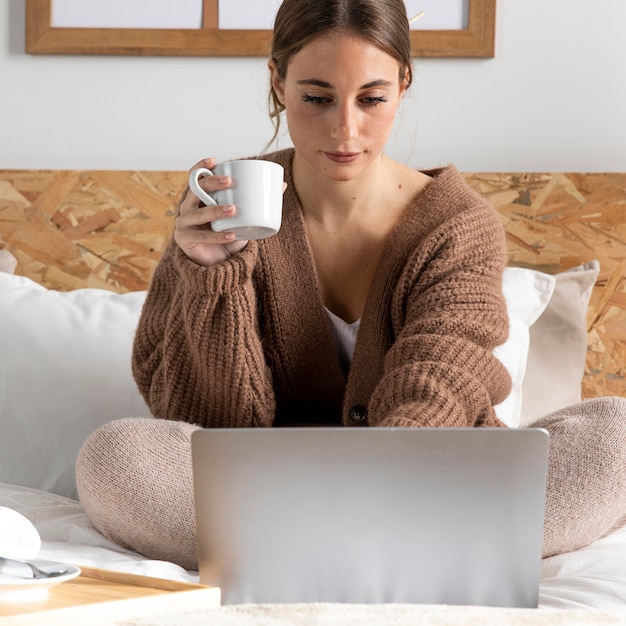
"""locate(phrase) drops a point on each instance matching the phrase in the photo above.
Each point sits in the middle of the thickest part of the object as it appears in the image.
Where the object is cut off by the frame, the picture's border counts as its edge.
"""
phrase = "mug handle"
(194, 176)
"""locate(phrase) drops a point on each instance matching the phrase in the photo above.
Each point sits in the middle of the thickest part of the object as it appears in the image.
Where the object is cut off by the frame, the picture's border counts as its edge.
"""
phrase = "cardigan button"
(358, 414)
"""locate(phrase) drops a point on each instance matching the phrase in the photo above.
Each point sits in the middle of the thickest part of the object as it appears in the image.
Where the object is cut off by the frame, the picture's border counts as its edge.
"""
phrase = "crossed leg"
(135, 481)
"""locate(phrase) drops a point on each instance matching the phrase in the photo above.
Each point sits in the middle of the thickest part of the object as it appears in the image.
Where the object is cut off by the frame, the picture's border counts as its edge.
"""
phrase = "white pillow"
(527, 293)
(64, 371)
(8, 262)
(558, 346)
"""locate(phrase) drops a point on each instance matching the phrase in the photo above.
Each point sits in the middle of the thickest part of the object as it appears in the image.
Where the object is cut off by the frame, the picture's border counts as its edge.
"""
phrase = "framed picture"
(449, 28)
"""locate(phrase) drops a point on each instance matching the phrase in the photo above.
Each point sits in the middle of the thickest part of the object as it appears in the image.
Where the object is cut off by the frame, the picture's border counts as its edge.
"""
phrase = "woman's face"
(341, 94)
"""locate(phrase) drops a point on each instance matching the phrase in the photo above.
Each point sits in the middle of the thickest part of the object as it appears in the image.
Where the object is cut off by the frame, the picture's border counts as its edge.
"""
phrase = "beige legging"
(135, 481)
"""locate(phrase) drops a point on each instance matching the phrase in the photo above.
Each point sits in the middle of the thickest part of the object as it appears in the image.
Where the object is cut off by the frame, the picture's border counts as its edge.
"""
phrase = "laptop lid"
(436, 516)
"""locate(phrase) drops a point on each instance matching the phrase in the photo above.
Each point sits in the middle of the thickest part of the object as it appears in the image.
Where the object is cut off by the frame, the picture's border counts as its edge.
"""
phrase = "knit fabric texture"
(586, 473)
(247, 342)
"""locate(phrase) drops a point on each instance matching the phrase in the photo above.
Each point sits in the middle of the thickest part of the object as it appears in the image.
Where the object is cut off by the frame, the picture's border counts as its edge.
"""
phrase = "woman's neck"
(330, 202)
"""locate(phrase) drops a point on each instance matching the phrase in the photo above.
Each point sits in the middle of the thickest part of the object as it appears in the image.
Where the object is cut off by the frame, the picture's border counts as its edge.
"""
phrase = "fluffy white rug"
(378, 615)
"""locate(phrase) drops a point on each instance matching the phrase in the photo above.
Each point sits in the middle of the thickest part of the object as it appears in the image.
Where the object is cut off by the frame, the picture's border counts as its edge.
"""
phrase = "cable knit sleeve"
(197, 356)
(447, 314)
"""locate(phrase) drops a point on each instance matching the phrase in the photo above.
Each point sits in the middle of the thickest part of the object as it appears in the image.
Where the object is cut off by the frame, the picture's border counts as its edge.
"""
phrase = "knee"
(108, 444)
(588, 437)
(131, 436)
(608, 409)
(127, 449)
(600, 415)
(586, 489)
(611, 424)
(134, 479)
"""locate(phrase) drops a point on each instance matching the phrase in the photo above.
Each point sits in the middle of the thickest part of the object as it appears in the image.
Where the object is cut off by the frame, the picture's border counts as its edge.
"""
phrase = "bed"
(77, 249)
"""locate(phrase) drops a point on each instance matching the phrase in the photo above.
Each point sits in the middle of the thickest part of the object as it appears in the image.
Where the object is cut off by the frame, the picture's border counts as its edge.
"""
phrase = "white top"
(344, 335)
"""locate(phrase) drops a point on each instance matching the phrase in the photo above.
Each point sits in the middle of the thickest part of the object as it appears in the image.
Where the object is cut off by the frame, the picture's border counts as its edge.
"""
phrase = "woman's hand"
(193, 232)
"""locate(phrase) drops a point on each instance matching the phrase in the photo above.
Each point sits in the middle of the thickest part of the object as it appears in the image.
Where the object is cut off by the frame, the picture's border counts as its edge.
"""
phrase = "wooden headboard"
(71, 229)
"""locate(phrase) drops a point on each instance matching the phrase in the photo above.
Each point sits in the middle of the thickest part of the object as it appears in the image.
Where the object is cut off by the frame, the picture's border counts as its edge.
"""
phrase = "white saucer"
(11, 585)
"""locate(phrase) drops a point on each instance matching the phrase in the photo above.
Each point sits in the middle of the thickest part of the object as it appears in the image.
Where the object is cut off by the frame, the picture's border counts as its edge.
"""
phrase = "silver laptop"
(435, 516)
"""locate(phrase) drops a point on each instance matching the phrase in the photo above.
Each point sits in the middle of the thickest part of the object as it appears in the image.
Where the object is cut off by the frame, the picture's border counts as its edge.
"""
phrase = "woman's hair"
(383, 23)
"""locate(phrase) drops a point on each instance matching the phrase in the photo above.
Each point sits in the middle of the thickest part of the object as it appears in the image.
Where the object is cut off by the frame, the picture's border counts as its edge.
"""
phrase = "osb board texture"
(105, 229)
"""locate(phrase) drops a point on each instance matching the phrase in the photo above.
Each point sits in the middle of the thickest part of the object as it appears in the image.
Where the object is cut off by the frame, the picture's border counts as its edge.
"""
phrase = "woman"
(378, 303)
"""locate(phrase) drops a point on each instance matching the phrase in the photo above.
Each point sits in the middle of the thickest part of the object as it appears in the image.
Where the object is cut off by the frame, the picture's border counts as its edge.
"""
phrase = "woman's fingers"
(209, 163)
(193, 232)
(189, 201)
(189, 237)
(195, 226)
(204, 215)
(210, 184)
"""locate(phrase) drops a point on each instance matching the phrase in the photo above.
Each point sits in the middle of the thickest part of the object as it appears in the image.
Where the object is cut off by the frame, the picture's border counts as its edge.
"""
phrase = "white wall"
(553, 99)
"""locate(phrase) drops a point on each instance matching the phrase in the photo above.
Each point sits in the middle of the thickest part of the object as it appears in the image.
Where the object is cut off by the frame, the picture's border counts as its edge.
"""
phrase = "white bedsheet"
(592, 577)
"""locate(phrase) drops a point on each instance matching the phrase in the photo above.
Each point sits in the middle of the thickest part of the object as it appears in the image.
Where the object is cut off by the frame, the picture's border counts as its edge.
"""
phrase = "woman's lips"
(342, 157)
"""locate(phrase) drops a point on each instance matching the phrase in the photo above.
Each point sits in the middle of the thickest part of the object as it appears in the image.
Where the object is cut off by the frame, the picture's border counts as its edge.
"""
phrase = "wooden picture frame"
(478, 40)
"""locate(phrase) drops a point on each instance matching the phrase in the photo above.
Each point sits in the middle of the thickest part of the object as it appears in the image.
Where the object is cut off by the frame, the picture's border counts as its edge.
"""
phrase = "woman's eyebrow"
(381, 82)
(315, 82)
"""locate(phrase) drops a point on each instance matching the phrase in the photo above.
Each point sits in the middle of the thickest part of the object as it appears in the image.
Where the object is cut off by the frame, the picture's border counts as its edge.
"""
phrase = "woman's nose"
(345, 124)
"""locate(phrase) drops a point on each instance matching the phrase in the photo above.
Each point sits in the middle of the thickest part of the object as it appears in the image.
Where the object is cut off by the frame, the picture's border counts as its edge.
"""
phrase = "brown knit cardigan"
(247, 342)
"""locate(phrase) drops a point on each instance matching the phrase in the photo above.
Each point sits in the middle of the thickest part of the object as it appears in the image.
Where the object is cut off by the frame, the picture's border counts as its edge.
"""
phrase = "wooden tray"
(101, 595)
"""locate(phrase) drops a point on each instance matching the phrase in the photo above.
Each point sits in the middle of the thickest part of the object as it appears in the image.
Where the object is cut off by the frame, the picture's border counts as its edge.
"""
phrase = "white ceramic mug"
(256, 193)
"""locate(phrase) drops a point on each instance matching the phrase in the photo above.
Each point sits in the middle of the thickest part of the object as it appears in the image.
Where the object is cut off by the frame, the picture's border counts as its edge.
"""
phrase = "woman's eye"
(373, 100)
(368, 101)
(315, 99)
